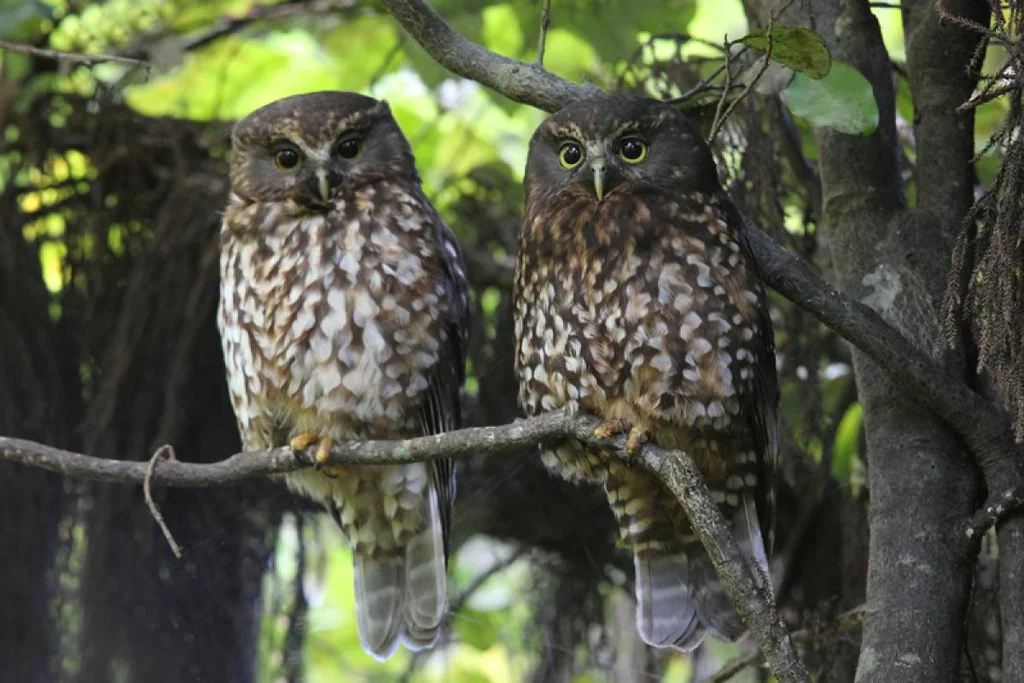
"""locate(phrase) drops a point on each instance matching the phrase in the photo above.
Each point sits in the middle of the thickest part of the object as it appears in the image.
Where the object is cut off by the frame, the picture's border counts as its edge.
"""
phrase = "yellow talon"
(638, 436)
(301, 442)
(609, 428)
(323, 450)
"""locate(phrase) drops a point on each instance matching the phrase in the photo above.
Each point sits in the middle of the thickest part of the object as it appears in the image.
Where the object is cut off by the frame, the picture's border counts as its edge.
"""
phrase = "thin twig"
(480, 579)
(386, 62)
(704, 84)
(846, 621)
(994, 511)
(721, 117)
(229, 25)
(75, 57)
(726, 89)
(165, 452)
(545, 23)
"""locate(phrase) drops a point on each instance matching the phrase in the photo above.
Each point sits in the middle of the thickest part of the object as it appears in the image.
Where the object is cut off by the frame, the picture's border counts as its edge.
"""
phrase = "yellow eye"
(632, 150)
(286, 159)
(570, 155)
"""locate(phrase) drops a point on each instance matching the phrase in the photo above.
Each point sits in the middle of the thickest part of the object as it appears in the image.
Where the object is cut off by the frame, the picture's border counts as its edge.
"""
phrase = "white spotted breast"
(337, 315)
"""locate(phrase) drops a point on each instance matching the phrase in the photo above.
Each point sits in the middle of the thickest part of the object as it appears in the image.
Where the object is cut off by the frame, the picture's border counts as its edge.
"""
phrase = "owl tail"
(403, 597)
(679, 596)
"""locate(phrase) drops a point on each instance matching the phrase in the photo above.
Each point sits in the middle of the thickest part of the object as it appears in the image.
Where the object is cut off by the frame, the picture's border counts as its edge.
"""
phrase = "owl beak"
(323, 184)
(597, 166)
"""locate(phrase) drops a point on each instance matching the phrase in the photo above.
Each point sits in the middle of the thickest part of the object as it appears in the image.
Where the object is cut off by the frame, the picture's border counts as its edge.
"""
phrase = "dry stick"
(718, 122)
(545, 24)
(720, 117)
(844, 622)
(726, 89)
(77, 58)
(164, 452)
(704, 85)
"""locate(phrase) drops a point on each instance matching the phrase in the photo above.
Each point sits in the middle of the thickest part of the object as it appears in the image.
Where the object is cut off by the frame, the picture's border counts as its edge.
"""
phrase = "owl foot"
(304, 440)
(638, 436)
(609, 428)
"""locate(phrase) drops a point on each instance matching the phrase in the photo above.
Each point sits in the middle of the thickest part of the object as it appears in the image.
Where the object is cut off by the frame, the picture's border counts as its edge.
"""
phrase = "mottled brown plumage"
(637, 300)
(343, 315)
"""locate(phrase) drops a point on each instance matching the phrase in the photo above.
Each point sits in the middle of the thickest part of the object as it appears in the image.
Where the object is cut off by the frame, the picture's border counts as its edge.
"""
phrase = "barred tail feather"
(379, 602)
(426, 585)
(679, 596)
(665, 612)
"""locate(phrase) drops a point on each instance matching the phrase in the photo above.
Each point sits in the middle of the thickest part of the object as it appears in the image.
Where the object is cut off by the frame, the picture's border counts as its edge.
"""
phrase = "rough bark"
(940, 53)
(922, 485)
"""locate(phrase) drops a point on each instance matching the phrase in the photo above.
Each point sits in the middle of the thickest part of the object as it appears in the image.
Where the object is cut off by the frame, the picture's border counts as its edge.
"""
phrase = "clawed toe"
(638, 437)
(301, 442)
(609, 428)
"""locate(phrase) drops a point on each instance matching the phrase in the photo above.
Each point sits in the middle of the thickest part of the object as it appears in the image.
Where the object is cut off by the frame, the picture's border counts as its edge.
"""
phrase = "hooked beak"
(323, 184)
(597, 166)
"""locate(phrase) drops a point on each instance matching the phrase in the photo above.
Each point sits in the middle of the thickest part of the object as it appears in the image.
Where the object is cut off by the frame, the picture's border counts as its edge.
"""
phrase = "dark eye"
(632, 150)
(570, 155)
(349, 149)
(286, 159)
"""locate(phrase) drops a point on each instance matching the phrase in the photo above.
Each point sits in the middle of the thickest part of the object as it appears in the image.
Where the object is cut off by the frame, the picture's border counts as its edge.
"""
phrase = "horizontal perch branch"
(676, 469)
(251, 464)
(74, 57)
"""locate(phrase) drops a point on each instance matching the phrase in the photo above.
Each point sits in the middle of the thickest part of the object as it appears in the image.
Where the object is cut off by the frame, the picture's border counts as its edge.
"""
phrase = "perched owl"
(343, 315)
(637, 300)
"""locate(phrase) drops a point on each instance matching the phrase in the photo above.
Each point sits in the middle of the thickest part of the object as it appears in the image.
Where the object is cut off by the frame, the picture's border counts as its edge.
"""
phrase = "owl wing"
(442, 410)
(763, 401)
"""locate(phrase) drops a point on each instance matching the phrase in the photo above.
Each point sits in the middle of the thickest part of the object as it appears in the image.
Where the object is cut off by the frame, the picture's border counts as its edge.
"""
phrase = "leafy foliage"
(843, 100)
(800, 49)
(89, 203)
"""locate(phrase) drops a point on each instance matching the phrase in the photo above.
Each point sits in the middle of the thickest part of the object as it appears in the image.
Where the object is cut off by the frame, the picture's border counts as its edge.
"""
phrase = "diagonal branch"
(675, 469)
(524, 82)
(982, 425)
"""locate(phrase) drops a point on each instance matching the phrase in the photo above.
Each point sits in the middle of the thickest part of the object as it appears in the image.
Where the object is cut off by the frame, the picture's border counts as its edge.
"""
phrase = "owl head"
(310, 148)
(611, 145)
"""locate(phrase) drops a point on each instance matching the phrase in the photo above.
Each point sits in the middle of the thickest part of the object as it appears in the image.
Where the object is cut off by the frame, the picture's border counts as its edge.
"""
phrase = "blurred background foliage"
(111, 177)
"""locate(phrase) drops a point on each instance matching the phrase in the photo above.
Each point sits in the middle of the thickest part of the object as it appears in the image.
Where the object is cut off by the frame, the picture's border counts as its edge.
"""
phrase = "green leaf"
(477, 628)
(22, 20)
(845, 446)
(800, 49)
(842, 100)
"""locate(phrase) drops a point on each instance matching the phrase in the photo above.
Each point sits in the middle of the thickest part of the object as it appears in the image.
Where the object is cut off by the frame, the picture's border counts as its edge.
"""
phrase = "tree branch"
(229, 25)
(75, 57)
(675, 469)
(523, 82)
(247, 465)
(982, 425)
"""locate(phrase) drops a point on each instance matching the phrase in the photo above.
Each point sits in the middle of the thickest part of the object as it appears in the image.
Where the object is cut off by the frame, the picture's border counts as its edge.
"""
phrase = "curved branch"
(981, 424)
(675, 469)
(524, 82)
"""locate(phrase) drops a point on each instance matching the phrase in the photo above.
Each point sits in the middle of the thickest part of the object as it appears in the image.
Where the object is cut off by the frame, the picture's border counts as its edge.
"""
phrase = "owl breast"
(336, 316)
(654, 326)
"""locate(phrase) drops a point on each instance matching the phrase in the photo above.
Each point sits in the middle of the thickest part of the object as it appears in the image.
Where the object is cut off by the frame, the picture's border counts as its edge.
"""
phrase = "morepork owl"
(637, 300)
(343, 315)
